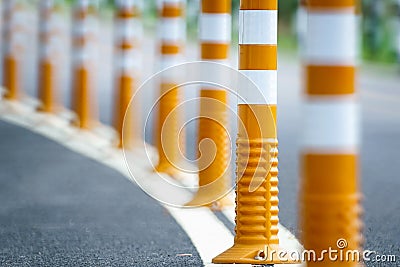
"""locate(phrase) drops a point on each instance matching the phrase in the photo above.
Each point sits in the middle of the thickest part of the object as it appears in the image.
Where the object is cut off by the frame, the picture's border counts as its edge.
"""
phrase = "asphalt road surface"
(59, 208)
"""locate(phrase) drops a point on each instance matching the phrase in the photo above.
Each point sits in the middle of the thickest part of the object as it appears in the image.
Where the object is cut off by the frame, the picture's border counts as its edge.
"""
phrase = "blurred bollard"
(257, 146)
(13, 44)
(49, 31)
(84, 37)
(214, 178)
(171, 33)
(330, 199)
(128, 37)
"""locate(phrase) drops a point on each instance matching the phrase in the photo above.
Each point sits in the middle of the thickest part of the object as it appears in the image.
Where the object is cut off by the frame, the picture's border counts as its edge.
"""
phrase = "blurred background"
(379, 33)
(379, 44)
(380, 26)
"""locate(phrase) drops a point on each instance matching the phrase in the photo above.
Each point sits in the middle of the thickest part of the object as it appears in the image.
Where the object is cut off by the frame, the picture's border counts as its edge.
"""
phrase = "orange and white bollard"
(128, 36)
(330, 199)
(172, 38)
(83, 37)
(257, 146)
(48, 31)
(215, 38)
(13, 27)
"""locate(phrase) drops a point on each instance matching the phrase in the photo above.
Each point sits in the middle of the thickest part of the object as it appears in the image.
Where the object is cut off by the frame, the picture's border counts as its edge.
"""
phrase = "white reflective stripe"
(258, 27)
(331, 124)
(50, 50)
(210, 76)
(126, 3)
(80, 29)
(46, 4)
(167, 61)
(81, 55)
(83, 3)
(53, 25)
(128, 29)
(44, 26)
(17, 42)
(129, 60)
(266, 82)
(45, 51)
(169, 2)
(19, 18)
(219, 61)
(172, 29)
(130, 4)
(215, 28)
(301, 21)
(171, 76)
(84, 26)
(331, 38)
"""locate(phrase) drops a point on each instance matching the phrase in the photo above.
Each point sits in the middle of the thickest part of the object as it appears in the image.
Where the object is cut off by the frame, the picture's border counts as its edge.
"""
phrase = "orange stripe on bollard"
(168, 133)
(126, 46)
(126, 13)
(46, 86)
(331, 205)
(213, 167)
(253, 116)
(257, 57)
(171, 11)
(212, 6)
(214, 51)
(125, 85)
(259, 5)
(320, 227)
(169, 49)
(324, 170)
(10, 74)
(82, 99)
(323, 80)
(81, 14)
(331, 4)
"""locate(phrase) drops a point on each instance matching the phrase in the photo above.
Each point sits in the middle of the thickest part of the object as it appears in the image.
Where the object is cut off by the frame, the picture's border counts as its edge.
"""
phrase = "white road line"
(208, 234)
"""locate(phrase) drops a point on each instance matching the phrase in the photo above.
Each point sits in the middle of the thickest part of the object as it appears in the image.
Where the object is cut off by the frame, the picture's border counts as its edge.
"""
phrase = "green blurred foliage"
(287, 9)
(380, 29)
(380, 24)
